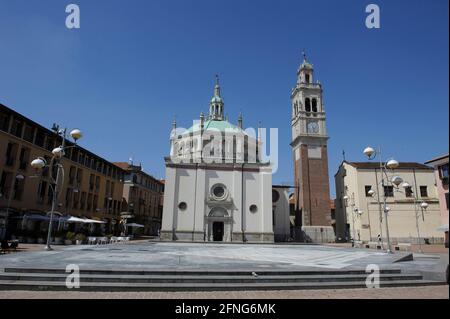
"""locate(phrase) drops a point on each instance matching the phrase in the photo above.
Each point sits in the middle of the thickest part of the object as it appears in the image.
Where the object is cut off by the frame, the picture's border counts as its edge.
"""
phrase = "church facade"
(217, 188)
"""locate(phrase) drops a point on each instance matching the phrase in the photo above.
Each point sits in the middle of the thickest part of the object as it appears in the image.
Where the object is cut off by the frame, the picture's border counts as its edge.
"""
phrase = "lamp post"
(57, 181)
(423, 205)
(345, 203)
(353, 218)
(384, 166)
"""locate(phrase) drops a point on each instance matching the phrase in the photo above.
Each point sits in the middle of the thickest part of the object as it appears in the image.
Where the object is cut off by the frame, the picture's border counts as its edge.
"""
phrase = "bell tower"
(309, 146)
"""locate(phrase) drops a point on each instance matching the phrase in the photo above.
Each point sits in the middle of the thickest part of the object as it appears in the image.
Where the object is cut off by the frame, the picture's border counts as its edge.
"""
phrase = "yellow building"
(93, 187)
(358, 212)
(143, 194)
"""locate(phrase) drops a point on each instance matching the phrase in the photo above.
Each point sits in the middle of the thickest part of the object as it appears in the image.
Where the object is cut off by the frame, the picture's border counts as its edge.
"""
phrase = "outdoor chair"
(92, 240)
(102, 241)
(14, 244)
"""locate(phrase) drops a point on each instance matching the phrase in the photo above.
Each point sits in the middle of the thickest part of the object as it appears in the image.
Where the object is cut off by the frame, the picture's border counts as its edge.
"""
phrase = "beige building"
(440, 165)
(143, 194)
(358, 216)
(93, 187)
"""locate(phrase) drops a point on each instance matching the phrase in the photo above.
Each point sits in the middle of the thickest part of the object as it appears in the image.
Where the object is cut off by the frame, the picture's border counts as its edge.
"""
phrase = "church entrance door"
(218, 231)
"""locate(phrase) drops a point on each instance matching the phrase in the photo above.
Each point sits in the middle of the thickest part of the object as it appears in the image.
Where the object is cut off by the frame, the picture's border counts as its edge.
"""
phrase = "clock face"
(313, 128)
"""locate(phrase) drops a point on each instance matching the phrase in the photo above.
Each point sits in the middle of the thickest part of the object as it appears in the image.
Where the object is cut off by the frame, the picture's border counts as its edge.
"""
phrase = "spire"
(240, 119)
(174, 123)
(304, 56)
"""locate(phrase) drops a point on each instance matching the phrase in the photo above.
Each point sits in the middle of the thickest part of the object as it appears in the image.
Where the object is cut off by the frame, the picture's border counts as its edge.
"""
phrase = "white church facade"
(217, 188)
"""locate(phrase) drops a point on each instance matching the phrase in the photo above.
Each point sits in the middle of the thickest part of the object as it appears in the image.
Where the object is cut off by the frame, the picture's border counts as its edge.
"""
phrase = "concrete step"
(105, 286)
(197, 272)
(170, 278)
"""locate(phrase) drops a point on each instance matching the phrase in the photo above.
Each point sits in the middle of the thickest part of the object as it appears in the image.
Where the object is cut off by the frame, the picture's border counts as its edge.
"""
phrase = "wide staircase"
(196, 280)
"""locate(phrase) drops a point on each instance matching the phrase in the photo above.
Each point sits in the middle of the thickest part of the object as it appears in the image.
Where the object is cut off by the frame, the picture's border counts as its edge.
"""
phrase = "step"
(203, 278)
(51, 285)
(197, 272)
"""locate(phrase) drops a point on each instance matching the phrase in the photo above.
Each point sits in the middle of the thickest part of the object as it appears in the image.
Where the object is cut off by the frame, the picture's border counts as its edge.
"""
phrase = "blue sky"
(134, 65)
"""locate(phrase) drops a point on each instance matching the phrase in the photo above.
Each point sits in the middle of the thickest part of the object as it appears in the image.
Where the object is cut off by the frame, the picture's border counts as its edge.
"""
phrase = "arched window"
(314, 105)
(307, 105)
(307, 78)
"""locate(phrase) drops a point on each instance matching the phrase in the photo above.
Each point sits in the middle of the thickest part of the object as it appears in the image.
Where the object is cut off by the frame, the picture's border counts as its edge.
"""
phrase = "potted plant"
(59, 237)
(70, 236)
(80, 238)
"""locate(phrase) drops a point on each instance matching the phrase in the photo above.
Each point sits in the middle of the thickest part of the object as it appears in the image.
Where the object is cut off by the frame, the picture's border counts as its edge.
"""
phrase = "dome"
(221, 126)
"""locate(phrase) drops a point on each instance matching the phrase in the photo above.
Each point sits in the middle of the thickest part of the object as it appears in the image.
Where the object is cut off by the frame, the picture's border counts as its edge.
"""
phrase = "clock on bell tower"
(309, 146)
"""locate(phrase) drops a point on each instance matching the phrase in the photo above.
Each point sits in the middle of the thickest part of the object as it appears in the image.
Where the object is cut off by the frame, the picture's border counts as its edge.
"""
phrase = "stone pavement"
(429, 292)
(159, 255)
(177, 256)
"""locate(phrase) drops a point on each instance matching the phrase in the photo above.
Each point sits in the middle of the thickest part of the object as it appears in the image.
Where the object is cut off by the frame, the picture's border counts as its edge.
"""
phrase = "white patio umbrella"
(135, 225)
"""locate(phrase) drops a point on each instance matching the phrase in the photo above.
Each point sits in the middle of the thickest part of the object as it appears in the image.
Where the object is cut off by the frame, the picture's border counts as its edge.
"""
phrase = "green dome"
(216, 126)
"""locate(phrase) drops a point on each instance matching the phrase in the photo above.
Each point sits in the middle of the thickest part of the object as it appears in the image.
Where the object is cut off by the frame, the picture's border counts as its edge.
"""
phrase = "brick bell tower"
(309, 146)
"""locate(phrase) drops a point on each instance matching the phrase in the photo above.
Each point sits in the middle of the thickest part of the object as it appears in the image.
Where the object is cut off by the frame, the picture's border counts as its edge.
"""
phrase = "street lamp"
(423, 205)
(371, 154)
(58, 180)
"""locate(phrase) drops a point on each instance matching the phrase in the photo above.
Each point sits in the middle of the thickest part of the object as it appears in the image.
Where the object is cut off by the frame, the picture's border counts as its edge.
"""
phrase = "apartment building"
(143, 196)
(92, 188)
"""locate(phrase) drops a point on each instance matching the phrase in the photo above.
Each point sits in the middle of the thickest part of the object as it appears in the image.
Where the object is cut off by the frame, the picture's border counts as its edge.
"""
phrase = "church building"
(217, 188)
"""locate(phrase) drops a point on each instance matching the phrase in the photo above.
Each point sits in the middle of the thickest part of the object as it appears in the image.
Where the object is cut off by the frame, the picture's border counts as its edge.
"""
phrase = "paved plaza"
(191, 256)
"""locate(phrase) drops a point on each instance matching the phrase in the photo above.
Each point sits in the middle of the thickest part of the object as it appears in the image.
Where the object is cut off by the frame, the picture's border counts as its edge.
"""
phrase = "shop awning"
(135, 225)
(73, 219)
(94, 221)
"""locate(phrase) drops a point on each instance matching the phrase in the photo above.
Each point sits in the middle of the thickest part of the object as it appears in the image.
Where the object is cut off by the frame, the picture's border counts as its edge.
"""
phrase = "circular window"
(253, 208)
(275, 196)
(182, 206)
(219, 191)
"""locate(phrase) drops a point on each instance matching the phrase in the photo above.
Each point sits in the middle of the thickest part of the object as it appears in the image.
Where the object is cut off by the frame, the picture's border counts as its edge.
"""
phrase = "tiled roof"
(122, 165)
(437, 159)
